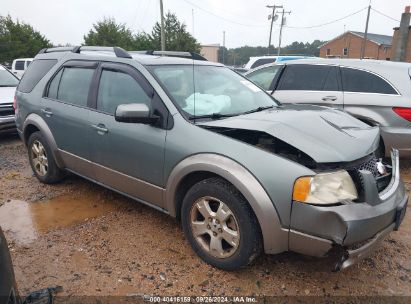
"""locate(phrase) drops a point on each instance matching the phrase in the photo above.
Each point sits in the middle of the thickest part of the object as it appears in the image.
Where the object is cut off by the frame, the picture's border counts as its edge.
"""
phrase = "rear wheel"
(220, 224)
(42, 160)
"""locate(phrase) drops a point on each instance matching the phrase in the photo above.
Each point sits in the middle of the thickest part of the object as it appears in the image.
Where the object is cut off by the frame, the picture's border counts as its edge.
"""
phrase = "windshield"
(7, 79)
(211, 90)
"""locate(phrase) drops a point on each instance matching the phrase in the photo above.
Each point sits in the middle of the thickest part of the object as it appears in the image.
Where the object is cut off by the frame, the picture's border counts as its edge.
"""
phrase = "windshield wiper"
(259, 109)
(212, 116)
(7, 86)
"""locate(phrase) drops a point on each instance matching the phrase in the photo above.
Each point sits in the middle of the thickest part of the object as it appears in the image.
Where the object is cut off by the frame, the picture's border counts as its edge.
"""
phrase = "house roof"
(376, 38)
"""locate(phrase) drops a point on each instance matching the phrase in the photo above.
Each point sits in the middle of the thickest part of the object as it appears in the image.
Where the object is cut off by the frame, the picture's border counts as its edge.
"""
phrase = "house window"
(345, 51)
(328, 52)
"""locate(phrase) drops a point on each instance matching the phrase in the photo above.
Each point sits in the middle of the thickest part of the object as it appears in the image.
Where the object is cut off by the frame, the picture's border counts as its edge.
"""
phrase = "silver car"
(376, 92)
(8, 84)
(201, 143)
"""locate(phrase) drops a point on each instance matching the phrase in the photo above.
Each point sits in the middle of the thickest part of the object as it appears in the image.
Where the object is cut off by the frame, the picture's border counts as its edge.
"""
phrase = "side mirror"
(135, 113)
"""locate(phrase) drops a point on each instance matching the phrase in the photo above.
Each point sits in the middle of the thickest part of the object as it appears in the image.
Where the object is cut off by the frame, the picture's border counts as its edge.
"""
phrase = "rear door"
(369, 96)
(129, 157)
(65, 108)
(310, 84)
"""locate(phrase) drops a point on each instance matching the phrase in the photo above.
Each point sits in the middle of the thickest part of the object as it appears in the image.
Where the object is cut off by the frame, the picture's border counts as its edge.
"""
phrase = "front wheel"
(220, 225)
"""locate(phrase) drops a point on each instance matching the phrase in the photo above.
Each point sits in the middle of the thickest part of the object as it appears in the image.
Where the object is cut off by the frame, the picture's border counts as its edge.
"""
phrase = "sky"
(245, 22)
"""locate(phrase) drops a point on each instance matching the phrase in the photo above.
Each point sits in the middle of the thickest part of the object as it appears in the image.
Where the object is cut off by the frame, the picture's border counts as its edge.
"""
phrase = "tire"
(46, 170)
(239, 234)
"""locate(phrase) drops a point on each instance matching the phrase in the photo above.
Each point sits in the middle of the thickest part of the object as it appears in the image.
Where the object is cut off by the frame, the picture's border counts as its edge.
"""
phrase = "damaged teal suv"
(191, 138)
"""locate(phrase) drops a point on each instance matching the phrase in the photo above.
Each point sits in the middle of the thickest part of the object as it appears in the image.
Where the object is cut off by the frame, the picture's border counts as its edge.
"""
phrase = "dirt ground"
(95, 242)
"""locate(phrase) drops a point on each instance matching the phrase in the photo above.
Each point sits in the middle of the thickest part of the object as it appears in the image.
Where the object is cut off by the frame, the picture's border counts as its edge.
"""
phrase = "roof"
(352, 62)
(23, 59)
(139, 57)
(143, 57)
(376, 38)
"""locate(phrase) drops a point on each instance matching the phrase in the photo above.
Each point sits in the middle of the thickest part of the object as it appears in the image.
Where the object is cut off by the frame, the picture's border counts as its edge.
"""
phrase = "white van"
(20, 65)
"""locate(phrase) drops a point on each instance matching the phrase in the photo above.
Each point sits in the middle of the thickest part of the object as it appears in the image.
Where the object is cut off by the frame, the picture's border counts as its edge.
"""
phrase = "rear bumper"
(7, 124)
(316, 230)
(398, 138)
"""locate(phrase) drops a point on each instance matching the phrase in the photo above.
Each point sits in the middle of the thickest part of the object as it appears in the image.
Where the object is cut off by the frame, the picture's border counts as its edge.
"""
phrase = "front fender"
(37, 121)
(274, 236)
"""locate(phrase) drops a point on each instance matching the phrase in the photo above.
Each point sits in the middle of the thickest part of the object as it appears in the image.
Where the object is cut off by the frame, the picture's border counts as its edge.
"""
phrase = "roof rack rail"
(191, 55)
(118, 51)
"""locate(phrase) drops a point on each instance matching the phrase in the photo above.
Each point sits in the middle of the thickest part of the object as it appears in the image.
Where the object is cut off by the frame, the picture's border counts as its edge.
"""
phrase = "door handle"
(101, 129)
(329, 98)
(47, 112)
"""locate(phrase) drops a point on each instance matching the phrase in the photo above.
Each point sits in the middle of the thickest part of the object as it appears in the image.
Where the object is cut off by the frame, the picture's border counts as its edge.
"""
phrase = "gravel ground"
(116, 246)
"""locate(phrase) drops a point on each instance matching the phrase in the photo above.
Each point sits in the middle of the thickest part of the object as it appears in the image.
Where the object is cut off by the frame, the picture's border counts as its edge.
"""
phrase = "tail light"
(403, 112)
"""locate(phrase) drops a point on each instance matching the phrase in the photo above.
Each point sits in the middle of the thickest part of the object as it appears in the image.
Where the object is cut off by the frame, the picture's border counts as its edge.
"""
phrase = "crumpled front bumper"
(356, 228)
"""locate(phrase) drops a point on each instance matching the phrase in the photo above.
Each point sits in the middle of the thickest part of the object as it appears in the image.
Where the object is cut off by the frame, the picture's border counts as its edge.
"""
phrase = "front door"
(129, 157)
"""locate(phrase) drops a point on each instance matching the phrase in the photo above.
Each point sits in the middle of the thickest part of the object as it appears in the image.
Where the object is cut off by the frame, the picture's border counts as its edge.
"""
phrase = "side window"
(117, 88)
(28, 63)
(74, 85)
(19, 66)
(35, 72)
(305, 77)
(264, 77)
(332, 81)
(365, 82)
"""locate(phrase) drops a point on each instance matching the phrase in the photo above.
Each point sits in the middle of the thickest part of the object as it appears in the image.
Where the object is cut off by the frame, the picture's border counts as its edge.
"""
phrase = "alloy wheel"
(39, 158)
(214, 227)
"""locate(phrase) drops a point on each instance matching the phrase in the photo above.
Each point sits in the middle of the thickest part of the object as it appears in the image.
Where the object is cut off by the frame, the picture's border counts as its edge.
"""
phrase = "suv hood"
(326, 135)
(7, 94)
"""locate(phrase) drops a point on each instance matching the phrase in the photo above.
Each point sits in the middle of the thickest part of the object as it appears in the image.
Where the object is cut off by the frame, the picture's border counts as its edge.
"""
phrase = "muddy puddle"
(24, 221)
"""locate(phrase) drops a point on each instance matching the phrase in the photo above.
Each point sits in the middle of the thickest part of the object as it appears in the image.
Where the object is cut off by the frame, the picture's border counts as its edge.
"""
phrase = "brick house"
(348, 45)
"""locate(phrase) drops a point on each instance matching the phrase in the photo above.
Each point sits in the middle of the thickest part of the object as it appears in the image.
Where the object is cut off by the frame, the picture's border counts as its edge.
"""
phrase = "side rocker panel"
(275, 237)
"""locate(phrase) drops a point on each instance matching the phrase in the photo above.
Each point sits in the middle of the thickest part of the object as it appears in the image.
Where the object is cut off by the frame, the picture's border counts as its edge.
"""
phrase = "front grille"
(370, 165)
(6, 109)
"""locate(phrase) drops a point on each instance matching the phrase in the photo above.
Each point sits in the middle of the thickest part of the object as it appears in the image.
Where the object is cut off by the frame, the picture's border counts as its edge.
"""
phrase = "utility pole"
(163, 38)
(364, 42)
(272, 17)
(223, 47)
(281, 30)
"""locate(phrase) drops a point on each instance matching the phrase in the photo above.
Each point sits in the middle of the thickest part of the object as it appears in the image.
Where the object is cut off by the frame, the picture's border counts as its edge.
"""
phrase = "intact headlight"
(325, 188)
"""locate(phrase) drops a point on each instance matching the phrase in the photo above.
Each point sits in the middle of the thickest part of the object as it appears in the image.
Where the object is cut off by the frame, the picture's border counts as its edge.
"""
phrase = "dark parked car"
(8, 287)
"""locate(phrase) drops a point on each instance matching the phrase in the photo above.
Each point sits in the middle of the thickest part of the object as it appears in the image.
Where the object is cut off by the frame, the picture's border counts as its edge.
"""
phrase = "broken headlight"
(325, 188)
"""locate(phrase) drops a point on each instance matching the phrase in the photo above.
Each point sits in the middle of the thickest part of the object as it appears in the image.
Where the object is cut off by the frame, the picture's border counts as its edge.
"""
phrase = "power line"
(327, 23)
(258, 25)
(223, 18)
(382, 14)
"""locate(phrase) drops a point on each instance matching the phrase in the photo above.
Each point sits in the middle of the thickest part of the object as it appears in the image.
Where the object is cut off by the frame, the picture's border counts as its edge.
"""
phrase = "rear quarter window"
(35, 72)
(365, 82)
